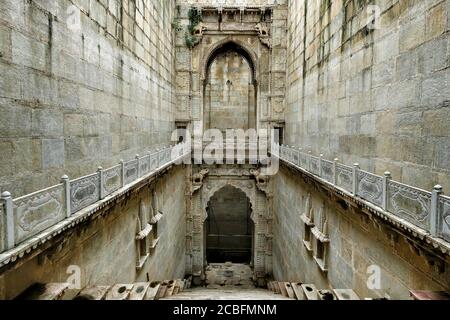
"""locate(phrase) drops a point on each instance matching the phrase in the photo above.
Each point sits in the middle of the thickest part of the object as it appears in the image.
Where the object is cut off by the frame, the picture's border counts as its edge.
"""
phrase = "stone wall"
(357, 247)
(372, 93)
(84, 83)
(105, 249)
(230, 94)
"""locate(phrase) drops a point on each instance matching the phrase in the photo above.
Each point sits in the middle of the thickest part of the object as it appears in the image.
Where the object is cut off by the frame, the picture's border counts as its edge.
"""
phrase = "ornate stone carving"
(445, 223)
(263, 34)
(84, 192)
(197, 179)
(370, 187)
(262, 181)
(35, 213)
(199, 29)
(131, 171)
(112, 180)
(409, 203)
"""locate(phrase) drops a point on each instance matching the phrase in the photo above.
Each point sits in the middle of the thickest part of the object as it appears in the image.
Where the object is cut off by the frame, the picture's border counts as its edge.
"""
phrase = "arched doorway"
(230, 90)
(229, 228)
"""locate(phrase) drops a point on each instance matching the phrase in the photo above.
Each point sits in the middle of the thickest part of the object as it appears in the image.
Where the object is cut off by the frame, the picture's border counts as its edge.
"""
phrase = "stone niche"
(216, 183)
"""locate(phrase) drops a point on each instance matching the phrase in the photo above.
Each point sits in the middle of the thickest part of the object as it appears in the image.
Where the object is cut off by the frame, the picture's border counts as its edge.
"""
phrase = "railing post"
(355, 178)
(138, 166)
(299, 157)
(309, 160)
(158, 158)
(335, 177)
(387, 177)
(101, 173)
(122, 168)
(435, 211)
(66, 182)
(9, 211)
(320, 165)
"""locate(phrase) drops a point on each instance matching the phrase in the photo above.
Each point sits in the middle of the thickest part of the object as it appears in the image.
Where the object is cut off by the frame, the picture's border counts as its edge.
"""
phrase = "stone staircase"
(139, 291)
(300, 291)
(222, 282)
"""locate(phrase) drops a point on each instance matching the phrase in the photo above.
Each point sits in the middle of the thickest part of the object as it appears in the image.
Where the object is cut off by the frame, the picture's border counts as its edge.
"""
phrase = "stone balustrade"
(429, 211)
(29, 216)
(232, 3)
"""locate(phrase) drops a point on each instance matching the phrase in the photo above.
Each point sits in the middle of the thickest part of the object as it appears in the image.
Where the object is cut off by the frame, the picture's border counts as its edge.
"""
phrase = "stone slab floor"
(228, 282)
(227, 293)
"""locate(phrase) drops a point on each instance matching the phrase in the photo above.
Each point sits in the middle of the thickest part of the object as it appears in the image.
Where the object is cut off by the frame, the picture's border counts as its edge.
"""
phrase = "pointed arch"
(230, 44)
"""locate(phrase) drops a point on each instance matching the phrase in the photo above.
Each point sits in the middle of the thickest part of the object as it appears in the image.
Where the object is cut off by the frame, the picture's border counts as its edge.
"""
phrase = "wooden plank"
(93, 293)
(298, 291)
(119, 292)
(345, 294)
(310, 291)
(152, 291)
(289, 290)
(139, 291)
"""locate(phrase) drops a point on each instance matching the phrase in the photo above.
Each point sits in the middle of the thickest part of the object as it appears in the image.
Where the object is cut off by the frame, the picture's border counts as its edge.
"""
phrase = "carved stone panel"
(370, 187)
(112, 180)
(314, 162)
(411, 204)
(327, 170)
(154, 161)
(144, 165)
(33, 214)
(445, 218)
(344, 175)
(2, 229)
(84, 192)
(131, 172)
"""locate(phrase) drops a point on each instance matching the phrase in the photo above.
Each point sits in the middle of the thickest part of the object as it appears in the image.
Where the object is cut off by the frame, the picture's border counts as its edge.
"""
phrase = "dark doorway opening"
(229, 228)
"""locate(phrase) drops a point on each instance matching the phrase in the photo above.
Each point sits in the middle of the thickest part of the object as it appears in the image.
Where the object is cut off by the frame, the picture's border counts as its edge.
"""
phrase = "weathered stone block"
(47, 123)
(52, 153)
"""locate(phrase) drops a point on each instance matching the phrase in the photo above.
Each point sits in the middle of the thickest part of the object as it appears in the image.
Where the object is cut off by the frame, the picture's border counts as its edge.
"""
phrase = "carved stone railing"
(232, 3)
(26, 217)
(429, 211)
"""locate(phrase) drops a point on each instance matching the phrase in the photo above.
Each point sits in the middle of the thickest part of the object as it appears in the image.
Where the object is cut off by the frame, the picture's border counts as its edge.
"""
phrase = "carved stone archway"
(223, 47)
(261, 217)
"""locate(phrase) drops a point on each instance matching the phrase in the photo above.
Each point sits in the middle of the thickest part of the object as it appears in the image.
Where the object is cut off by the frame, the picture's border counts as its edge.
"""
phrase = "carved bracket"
(262, 181)
(197, 180)
(263, 34)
